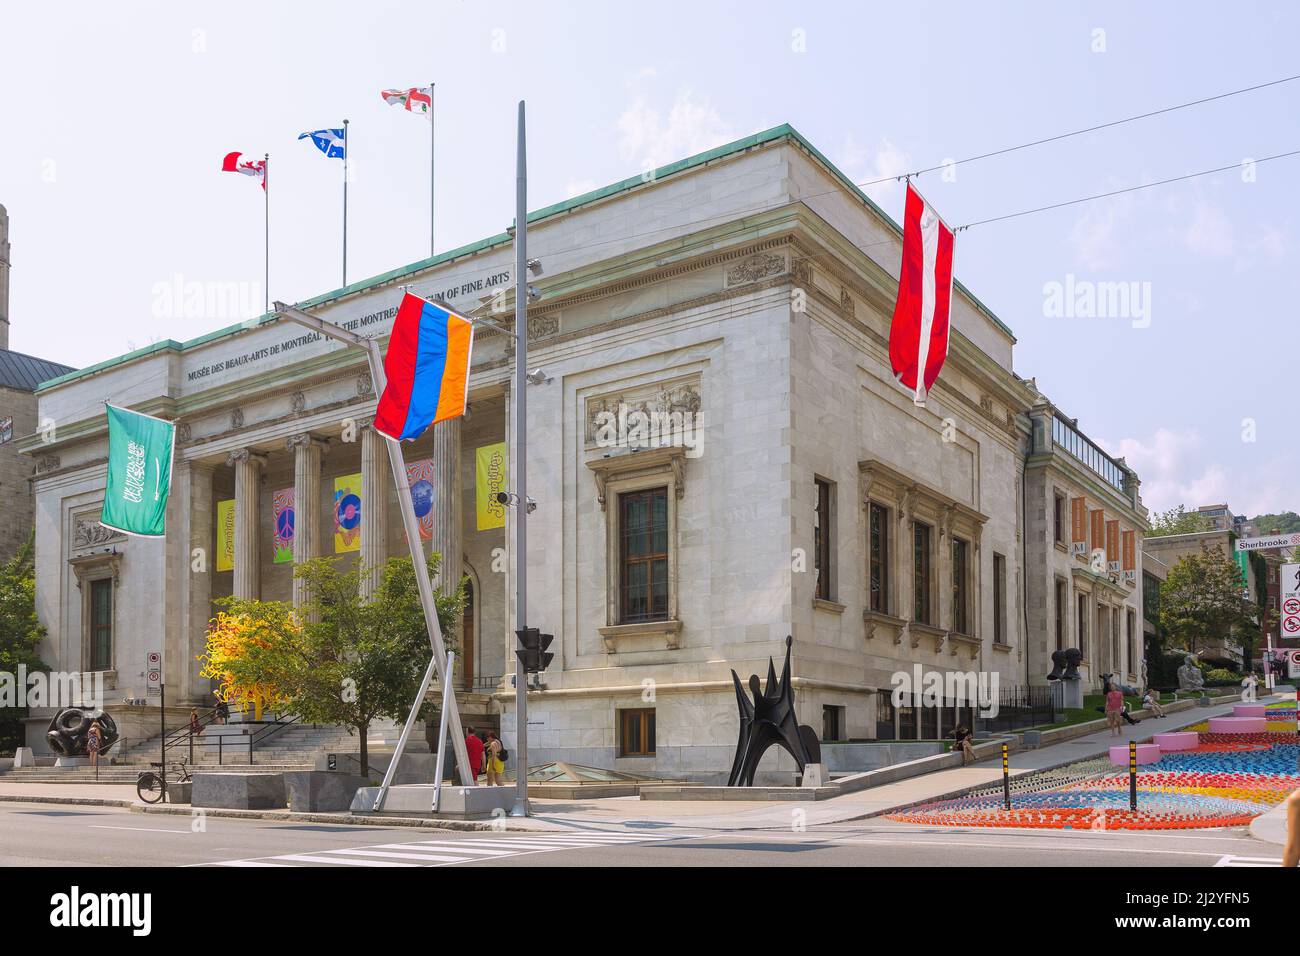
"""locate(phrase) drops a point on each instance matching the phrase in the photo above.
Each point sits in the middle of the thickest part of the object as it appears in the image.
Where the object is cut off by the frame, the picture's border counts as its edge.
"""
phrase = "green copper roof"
(784, 131)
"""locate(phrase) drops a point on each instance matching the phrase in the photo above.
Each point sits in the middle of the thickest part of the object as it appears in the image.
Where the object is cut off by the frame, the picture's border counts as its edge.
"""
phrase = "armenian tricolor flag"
(427, 367)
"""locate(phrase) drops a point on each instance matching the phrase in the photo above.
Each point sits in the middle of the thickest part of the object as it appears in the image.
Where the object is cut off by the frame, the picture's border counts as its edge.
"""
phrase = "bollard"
(1132, 775)
(1006, 777)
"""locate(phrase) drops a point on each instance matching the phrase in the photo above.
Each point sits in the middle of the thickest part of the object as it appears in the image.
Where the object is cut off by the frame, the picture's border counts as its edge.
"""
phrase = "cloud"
(863, 164)
(1209, 233)
(576, 187)
(1171, 475)
(1094, 235)
(654, 139)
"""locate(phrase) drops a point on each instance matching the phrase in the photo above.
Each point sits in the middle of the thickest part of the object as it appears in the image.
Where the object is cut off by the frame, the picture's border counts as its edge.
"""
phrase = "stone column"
(196, 585)
(248, 486)
(375, 482)
(307, 452)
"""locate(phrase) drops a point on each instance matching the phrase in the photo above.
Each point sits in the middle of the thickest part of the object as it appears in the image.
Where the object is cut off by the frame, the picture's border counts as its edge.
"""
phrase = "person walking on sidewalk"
(1114, 709)
(474, 748)
(496, 767)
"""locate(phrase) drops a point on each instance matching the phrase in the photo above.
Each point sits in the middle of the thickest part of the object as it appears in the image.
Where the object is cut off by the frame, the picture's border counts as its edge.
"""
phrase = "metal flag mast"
(520, 808)
(411, 524)
(432, 141)
(266, 238)
(346, 150)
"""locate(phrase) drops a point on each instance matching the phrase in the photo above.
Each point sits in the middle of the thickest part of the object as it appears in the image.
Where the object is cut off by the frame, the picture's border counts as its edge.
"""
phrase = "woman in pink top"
(1114, 706)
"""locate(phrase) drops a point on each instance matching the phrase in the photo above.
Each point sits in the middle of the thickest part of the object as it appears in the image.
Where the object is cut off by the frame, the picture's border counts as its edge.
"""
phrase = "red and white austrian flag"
(418, 99)
(918, 337)
(232, 164)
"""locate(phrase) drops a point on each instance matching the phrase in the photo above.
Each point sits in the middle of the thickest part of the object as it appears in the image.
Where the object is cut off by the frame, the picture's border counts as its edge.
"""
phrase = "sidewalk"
(637, 814)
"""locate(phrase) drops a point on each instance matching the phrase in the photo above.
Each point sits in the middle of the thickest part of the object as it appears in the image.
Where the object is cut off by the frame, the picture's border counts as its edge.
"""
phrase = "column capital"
(245, 454)
(305, 440)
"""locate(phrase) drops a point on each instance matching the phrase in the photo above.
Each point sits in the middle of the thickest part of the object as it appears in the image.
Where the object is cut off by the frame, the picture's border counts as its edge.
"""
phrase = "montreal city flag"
(139, 472)
(918, 336)
(427, 367)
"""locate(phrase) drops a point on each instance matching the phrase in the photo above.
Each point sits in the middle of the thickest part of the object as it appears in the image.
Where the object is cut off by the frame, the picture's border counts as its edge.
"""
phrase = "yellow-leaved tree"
(248, 653)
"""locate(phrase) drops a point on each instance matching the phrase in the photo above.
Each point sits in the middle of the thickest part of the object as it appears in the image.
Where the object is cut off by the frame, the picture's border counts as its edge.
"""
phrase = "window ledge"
(919, 630)
(957, 641)
(822, 604)
(998, 646)
(669, 631)
(1062, 547)
(879, 624)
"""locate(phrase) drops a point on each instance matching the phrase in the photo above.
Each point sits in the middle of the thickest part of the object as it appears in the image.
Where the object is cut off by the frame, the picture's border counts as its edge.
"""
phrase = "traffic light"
(531, 651)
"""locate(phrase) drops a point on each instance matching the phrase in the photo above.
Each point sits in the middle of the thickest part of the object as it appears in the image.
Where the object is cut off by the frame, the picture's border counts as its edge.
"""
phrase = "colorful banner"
(419, 478)
(139, 473)
(1078, 526)
(1112, 546)
(226, 535)
(489, 479)
(347, 513)
(282, 504)
(1129, 539)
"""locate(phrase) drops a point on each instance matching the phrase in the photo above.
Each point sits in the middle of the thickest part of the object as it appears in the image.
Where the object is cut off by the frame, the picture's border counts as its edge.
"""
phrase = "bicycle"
(149, 784)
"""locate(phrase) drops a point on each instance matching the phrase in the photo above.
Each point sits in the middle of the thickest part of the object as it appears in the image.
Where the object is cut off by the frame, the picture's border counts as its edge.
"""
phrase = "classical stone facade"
(719, 455)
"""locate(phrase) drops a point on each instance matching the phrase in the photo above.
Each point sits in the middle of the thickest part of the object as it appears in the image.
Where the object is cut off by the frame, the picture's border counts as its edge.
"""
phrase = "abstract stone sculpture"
(1065, 664)
(770, 719)
(68, 730)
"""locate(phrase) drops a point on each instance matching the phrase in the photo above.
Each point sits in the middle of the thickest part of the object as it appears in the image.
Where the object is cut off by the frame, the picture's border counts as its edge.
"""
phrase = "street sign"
(1269, 542)
(1289, 580)
(1291, 606)
(1291, 625)
(153, 670)
(1293, 665)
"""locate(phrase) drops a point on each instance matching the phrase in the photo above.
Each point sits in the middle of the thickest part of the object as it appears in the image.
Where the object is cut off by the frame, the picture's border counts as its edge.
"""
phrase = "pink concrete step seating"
(1181, 740)
(1248, 710)
(1146, 753)
(1238, 725)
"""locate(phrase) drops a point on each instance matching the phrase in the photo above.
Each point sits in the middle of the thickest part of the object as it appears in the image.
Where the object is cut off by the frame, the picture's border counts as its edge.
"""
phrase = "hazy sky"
(114, 118)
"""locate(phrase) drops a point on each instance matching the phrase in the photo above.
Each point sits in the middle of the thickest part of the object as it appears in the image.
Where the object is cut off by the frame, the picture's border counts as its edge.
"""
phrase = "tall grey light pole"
(520, 809)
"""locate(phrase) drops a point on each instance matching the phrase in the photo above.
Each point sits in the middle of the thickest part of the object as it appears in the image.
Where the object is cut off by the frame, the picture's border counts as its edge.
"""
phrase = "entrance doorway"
(467, 637)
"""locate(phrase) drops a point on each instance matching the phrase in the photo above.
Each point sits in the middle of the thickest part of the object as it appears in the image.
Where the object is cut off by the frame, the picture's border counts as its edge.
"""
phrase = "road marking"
(100, 826)
(1028, 846)
(448, 852)
(1249, 861)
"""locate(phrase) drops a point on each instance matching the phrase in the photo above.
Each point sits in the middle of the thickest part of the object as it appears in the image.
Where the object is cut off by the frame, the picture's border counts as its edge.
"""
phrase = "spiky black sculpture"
(768, 720)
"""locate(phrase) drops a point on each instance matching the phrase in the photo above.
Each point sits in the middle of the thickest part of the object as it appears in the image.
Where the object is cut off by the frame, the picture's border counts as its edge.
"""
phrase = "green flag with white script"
(139, 472)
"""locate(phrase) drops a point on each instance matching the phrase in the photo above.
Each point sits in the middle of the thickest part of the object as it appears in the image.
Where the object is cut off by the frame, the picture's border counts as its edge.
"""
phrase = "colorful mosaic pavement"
(1227, 780)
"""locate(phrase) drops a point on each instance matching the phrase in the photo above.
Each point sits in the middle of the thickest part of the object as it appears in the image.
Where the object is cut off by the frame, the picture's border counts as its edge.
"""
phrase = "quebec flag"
(331, 142)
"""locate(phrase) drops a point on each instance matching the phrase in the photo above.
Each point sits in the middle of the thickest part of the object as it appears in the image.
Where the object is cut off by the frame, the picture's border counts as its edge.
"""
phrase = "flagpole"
(520, 808)
(266, 238)
(432, 142)
(346, 150)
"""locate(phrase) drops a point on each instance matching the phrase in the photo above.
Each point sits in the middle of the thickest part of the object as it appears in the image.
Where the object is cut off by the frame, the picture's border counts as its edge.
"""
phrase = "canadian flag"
(231, 164)
(918, 336)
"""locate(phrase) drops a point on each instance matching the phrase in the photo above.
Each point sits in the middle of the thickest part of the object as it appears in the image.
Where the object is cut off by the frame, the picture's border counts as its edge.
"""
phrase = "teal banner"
(139, 472)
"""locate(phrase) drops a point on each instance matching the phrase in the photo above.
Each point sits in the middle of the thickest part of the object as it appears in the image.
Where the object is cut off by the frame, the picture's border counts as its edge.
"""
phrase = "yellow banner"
(490, 478)
(226, 535)
(347, 513)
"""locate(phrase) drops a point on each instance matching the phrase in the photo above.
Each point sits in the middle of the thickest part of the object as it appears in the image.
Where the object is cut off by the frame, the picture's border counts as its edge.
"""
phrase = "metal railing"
(1019, 707)
(184, 737)
(1065, 435)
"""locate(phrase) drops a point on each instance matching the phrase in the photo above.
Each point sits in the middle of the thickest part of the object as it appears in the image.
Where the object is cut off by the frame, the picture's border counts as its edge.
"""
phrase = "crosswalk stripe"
(309, 858)
(1243, 861)
(393, 854)
(476, 851)
(517, 844)
(244, 863)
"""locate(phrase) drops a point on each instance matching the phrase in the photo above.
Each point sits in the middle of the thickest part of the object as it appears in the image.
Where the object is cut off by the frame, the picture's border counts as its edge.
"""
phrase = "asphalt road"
(52, 835)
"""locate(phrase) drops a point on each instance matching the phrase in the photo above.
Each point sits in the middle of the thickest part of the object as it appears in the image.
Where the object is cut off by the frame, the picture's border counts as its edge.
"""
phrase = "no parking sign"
(153, 670)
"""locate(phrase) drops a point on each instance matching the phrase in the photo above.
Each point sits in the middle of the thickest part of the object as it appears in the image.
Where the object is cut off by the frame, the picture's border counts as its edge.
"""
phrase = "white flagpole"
(266, 238)
(432, 141)
(346, 150)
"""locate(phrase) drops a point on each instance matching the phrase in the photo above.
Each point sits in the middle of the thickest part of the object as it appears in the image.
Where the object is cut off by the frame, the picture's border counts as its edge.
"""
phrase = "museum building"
(718, 451)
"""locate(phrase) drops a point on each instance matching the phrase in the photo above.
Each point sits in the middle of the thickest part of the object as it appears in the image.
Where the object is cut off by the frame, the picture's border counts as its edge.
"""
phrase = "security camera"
(534, 293)
(532, 505)
(535, 266)
(538, 376)
(503, 497)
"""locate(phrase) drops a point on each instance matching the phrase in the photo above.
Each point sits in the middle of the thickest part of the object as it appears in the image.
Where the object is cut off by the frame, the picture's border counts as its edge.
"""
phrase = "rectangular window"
(1134, 659)
(636, 732)
(999, 599)
(643, 556)
(1061, 611)
(1116, 662)
(960, 589)
(920, 572)
(822, 540)
(832, 723)
(879, 554)
(1058, 519)
(885, 716)
(101, 624)
(1083, 625)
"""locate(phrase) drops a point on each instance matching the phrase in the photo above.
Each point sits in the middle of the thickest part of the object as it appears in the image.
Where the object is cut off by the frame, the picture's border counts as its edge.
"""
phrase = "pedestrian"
(1114, 709)
(474, 747)
(961, 735)
(495, 764)
(94, 742)
(1152, 702)
(195, 727)
(222, 712)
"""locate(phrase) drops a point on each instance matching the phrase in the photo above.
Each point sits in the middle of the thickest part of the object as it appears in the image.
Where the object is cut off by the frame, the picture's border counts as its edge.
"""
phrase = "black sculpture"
(68, 730)
(768, 720)
(1065, 664)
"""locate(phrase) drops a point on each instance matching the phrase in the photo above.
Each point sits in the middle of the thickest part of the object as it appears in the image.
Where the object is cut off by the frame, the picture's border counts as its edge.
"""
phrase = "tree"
(1178, 521)
(340, 658)
(1202, 600)
(21, 633)
(1286, 522)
